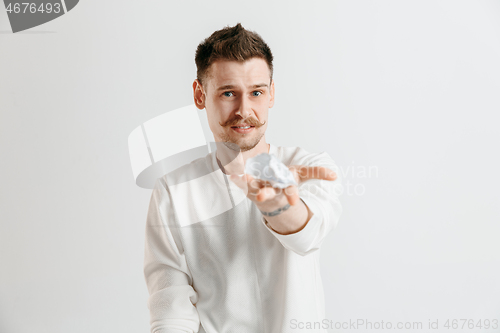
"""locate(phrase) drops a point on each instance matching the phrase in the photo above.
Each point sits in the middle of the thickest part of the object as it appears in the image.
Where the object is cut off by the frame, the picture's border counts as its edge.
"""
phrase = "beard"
(243, 143)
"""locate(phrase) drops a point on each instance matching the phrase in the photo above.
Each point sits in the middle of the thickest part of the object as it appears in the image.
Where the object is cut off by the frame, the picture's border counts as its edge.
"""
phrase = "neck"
(232, 162)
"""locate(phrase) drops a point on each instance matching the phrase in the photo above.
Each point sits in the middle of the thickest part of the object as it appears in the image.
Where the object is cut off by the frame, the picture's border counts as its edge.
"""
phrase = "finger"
(292, 194)
(251, 185)
(266, 193)
(254, 184)
(315, 172)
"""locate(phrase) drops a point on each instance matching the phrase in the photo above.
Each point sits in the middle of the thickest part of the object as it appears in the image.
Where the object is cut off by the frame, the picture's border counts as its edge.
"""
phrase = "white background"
(408, 88)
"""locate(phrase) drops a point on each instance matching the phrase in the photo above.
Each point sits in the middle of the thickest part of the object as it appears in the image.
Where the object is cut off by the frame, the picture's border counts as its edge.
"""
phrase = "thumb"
(238, 180)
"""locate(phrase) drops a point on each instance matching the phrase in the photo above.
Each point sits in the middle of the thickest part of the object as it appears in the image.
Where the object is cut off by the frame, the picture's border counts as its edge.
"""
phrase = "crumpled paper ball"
(268, 167)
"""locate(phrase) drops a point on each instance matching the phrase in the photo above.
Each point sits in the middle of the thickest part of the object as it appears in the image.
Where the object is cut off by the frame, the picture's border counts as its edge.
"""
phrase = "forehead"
(228, 72)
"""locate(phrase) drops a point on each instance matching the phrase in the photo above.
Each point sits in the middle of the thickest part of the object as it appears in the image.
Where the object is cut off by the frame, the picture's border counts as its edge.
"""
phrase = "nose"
(244, 108)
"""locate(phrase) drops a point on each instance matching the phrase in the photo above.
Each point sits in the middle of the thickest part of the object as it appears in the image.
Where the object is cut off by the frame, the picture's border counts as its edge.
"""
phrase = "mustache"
(237, 122)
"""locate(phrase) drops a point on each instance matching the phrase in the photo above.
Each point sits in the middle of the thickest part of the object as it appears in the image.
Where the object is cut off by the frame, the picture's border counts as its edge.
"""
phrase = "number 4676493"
(26, 7)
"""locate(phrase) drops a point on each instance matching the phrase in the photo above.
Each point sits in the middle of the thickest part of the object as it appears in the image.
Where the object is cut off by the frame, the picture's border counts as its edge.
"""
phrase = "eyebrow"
(230, 86)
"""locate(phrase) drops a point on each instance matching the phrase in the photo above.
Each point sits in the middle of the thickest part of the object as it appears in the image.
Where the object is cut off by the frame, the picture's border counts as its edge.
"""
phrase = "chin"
(240, 145)
(246, 145)
(243, 143)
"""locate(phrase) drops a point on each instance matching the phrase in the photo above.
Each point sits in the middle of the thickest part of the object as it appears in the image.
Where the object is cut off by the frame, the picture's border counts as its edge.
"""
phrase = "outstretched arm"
(314, 206)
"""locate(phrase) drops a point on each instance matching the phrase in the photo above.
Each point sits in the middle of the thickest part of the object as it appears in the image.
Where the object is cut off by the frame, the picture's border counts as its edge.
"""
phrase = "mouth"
(243, 129)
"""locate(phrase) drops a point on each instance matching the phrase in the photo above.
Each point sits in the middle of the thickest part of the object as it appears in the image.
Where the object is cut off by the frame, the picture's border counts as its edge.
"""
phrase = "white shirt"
(212, 264)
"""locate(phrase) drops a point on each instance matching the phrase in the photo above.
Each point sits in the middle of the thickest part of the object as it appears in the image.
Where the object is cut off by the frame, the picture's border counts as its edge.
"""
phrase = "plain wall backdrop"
(403, 95)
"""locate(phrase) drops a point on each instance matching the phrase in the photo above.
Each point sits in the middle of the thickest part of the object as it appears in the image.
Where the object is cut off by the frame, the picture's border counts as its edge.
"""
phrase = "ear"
(198, 94)
(271, 92)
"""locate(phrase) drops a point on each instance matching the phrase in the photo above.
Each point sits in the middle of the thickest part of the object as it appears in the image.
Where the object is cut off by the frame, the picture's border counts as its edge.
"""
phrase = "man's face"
(237, 94)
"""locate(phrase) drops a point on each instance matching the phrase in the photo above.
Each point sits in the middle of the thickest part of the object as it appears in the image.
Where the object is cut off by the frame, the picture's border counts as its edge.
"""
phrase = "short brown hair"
(231, 43)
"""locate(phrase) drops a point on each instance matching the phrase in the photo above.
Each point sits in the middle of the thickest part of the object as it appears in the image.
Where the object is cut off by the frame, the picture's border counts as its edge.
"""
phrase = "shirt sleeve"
(322, 198)
(172, 298)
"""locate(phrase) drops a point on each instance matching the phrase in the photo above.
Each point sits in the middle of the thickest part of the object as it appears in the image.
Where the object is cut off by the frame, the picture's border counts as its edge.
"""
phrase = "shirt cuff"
(304, 241)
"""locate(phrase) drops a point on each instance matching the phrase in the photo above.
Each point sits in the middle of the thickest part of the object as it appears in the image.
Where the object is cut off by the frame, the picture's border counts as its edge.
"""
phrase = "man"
(238, 255)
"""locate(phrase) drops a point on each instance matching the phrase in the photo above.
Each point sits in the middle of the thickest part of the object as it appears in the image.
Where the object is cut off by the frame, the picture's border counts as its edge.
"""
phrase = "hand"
(265, 196)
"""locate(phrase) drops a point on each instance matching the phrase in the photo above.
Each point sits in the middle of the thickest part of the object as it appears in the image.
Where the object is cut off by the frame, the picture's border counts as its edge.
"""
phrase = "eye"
(259, 93)
(227, 92)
